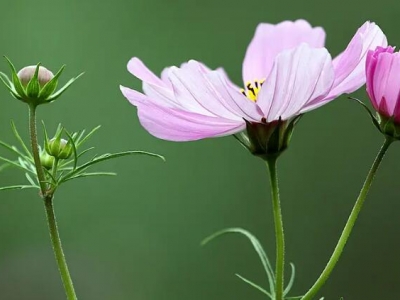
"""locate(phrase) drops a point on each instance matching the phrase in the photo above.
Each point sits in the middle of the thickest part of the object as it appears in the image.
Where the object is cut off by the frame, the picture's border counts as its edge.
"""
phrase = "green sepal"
(16, 82)
(49, 88)
(33, 87)
(63, 89)
(71, 141)
(375, 121)
(10, 86)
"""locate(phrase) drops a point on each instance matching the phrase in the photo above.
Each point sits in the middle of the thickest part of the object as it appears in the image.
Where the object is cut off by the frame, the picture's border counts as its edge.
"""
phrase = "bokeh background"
(136, 236)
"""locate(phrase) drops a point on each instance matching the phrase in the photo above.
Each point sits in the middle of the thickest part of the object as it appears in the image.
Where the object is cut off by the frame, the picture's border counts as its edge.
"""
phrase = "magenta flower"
(383, 81)
(383, 88)
(286, 72)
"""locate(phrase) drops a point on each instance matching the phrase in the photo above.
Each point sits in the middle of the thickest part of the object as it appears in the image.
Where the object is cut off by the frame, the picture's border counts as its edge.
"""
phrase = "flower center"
(252, 89)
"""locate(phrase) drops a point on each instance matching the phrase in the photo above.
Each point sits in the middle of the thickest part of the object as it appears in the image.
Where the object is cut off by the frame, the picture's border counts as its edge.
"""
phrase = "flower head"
(383, 88)
(286, 72)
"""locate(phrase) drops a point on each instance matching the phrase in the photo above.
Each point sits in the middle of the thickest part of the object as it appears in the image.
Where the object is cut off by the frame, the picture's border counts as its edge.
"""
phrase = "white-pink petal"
(299, 76)
(177, 125)
(350, 64)
(269, 40)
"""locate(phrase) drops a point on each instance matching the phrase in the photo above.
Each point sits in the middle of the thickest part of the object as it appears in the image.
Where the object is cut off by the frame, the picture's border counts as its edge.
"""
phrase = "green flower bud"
(26, 74)
(35, 85)
(46, 160)
(59, 148)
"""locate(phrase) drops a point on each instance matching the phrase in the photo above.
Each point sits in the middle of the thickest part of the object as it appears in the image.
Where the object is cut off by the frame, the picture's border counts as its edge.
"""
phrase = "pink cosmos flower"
(286, 72)
(383, 81)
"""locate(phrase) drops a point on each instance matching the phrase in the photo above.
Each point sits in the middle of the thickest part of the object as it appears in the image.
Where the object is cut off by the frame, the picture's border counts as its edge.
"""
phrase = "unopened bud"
(27, 73)
(46, 160)
(59, 148)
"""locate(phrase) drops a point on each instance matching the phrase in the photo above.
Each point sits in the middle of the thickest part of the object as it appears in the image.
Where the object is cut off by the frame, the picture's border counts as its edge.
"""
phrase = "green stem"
(48, 202)
(35, 149)
(58, 251)
(349, 225)
(279, 235)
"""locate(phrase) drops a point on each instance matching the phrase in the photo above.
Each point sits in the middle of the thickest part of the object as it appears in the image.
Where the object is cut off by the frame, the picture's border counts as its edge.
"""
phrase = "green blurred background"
(136, 236)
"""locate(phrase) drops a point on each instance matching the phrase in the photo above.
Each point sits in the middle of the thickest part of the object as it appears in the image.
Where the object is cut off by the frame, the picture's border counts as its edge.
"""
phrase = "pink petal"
(197, 92)
(177, 125)
(269, 40)
(236, 101)
(137, 68)
(299, 76)
(350, 65)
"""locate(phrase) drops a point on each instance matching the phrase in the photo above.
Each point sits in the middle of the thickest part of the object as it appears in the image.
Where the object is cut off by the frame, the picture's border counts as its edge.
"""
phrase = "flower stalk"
(350, 223)
(279, 234)
(47, 196)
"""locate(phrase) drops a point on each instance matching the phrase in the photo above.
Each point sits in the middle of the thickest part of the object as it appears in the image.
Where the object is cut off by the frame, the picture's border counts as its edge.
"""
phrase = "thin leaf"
(17, 187)
(291, 280)
(82, 139)
(11, 148)
(79, 135)
(20, 140)
(257, 247)
(91, 175)
(255, 286)
(4, 166)
(53, 179)
(6, 80)
(15, 164)
(31, 181)
(109, 156)
(85, 151)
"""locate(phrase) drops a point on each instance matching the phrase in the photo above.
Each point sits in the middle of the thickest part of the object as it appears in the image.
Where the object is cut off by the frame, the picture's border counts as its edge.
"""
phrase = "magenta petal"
(372, 60)
(269, 40)
(299, 76)
(386, 82)
(350, 65)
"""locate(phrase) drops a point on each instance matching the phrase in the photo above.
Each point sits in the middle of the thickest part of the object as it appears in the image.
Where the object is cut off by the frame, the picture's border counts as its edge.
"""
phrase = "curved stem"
(349, 225)
(48, 202)
(279, 235)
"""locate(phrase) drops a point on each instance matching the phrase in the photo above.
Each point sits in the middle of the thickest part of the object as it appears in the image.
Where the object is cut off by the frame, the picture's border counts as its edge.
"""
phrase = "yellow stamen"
(252, 89)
